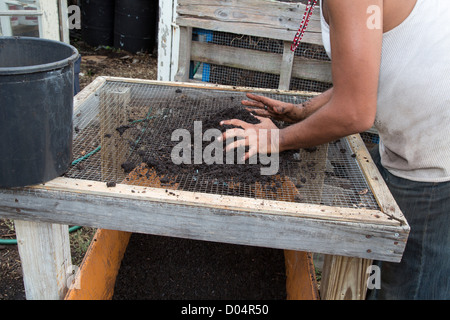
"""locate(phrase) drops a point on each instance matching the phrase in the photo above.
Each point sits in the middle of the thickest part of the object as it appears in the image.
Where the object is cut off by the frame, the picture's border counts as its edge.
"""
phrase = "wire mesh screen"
(124, 133)
(241, 77)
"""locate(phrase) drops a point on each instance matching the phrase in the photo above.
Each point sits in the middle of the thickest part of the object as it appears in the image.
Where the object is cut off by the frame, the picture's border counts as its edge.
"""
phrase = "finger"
(263, 100)
(273, 106)
(254, 104)
(236, 144)
(257, 101)
(261, 113)
(261, 119)
(236, 123)
(250, 153)
(231, 134)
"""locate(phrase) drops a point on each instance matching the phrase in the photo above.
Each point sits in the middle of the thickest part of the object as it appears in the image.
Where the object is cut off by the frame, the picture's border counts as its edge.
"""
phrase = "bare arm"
(351, 107)
(312, 105)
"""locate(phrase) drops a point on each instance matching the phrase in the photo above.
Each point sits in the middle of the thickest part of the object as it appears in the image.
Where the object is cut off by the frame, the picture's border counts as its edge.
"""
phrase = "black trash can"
(135, 25)
(36, 108)
(97, 22)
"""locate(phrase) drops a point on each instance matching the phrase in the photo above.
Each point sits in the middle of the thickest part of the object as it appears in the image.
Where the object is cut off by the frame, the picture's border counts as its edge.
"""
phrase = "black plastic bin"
(36, 108)
(97, 22)
(135, 25)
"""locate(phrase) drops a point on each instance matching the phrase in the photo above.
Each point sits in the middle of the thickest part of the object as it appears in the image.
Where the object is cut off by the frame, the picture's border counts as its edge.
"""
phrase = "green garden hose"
(14, 241)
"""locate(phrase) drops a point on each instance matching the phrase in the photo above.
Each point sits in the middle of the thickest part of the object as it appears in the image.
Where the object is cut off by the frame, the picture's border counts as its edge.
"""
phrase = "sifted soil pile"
(164, 268)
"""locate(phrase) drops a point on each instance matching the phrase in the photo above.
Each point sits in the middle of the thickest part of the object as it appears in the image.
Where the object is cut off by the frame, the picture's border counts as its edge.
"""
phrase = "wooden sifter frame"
(350, 232)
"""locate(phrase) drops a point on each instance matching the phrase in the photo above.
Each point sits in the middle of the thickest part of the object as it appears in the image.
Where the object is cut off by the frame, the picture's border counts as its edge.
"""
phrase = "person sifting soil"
(391, 69)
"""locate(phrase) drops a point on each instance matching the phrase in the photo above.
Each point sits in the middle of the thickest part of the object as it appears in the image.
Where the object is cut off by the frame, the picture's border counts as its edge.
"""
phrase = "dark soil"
(155, 148)
(164, 268)
(11, 283)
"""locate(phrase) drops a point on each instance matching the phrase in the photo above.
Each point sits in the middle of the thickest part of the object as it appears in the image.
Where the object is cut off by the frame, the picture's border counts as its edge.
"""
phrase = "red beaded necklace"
(301, 31)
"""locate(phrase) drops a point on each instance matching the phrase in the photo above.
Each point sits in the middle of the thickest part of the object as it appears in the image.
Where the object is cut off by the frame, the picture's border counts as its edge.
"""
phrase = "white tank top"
(413, 108)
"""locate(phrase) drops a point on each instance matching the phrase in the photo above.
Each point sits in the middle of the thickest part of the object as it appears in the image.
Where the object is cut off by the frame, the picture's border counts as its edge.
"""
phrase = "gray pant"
(424, 272)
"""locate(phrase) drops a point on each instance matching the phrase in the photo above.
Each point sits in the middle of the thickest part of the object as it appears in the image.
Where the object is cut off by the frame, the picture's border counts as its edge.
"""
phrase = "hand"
(260, 138)
(278, 110)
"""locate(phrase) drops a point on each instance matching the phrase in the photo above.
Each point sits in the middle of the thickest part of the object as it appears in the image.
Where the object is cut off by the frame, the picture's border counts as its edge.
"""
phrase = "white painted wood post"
(49, 21)
(44, 250)
(168, 40)
(63, 21)
(184, 60)
(286, 66)
(5, 21)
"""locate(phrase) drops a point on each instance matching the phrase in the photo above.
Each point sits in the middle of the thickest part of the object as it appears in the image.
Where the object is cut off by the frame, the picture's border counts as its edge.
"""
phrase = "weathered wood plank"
(44, 250)
(267, 62)
(184, 56)
(112, 115)
(262, 18)
(167, 42)
(132, 210)
(222, 202)
(213, 86)
(87, 92)
(49, 21)
(236, 57)
(63, 21)
(301, 283)
(97, 274)
(287, 62)
(310, 69)
(279, 14)
(380, 190)
(251, 30)
(344, 278)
